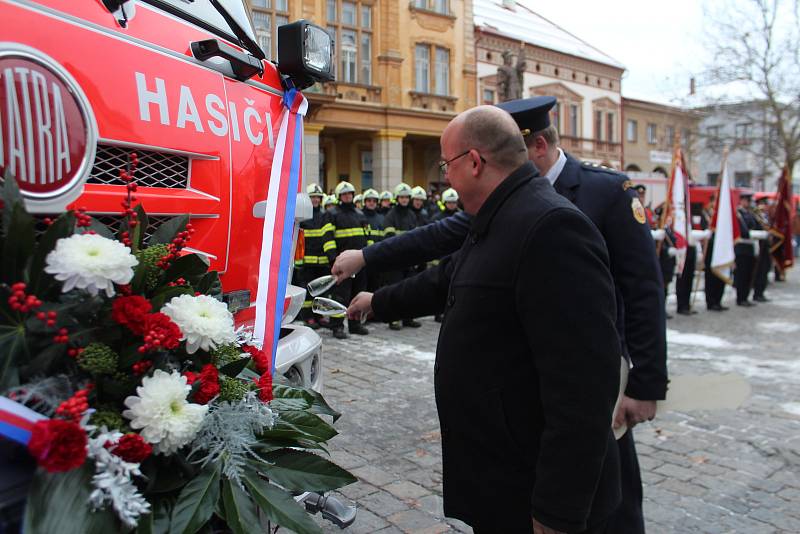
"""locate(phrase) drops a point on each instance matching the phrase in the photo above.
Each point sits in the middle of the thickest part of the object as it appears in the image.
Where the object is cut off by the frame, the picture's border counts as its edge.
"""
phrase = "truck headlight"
(305, 53)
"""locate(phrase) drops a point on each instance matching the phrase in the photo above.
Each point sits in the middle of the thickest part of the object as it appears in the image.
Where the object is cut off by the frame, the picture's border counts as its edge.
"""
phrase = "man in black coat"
(610, 201)
(745, 252)
(526, 373)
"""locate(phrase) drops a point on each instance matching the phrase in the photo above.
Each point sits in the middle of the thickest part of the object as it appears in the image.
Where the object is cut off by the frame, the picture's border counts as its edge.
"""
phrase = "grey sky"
(660, 43)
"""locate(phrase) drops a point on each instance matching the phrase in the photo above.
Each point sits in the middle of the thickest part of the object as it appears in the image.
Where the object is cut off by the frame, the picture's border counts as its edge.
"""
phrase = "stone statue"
(510, 78)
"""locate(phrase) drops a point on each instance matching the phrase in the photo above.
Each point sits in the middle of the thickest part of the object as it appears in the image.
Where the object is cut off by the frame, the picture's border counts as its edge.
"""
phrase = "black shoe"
(411, 323)
(687, 312)
(746, 304)
(669, 316)
(716, 307)
(357, 329)
(339, 333)
(395, 325)
(761, 298)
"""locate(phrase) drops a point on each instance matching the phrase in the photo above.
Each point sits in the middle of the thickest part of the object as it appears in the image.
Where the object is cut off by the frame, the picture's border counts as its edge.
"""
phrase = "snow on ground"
(779, 326)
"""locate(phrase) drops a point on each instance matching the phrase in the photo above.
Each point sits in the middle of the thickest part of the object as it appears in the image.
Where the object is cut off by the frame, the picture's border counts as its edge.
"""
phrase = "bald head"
(492, 132)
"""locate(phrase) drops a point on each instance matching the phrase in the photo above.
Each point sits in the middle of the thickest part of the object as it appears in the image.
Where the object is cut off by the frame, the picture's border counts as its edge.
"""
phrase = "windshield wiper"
(244, 39)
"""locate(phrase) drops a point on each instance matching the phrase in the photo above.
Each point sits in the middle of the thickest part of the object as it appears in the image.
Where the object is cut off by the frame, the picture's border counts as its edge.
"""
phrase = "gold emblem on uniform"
(627, 184)
(638, 211)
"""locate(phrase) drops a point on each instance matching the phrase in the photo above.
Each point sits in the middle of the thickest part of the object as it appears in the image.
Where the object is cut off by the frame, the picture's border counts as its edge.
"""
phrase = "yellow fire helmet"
(314, 190)
(344, 187)
(402, 190)
(371, 193)
(451, 195)
(419, 192)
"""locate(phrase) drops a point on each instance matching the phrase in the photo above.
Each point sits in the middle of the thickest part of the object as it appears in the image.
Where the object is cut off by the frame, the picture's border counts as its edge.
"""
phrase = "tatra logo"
(47, 130)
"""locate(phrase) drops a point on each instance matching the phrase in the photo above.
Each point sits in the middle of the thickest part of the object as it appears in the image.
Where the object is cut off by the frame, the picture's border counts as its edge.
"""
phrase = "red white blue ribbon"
(16, 420)
(276, 241)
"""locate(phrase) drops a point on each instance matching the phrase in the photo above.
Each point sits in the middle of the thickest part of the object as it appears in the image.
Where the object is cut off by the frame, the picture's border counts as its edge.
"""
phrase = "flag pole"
(668, 201)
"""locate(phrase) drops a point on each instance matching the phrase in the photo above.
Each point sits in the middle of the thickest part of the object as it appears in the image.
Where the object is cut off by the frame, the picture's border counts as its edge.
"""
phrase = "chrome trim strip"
(154, 148)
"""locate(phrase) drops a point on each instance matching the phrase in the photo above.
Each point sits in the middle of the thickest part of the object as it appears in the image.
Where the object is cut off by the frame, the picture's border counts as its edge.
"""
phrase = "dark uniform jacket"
(445, 213)
(603, 196)
(313, 234)
(345, 229)
(399, 220)
(747, 222)
(526, 373)
(422, 216)
(375, 221)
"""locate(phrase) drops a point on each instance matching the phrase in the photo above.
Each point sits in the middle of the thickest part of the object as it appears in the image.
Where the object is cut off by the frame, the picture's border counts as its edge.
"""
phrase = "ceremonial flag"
(725, 226)
(782, 252)
(679, 209)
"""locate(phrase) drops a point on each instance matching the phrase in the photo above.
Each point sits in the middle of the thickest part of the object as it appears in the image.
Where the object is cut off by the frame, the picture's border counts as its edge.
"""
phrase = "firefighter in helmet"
(313, 263)
(375, 235)
(386, 201)
(450, 204)
(399, 220)
(418, 198)
(329, 202)
(345, 228)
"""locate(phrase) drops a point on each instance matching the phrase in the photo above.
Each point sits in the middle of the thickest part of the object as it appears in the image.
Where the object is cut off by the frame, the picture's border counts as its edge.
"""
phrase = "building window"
(743, 133)
(685, 138)
(598, 125)
(350, 25)
(714, 140)
(670, 136)
(422, 63)
(743, 179)
(633, 131)
(442, 71)
(610, 127)
(712, 177)
(438, 6)
(651, 133)
(488, 96)
(573, 120)
(555, 118)
(267, 16)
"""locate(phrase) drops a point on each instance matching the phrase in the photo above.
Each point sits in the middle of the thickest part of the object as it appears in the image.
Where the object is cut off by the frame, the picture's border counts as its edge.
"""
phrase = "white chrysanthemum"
(91, 262)
(166, 420)
(204, 321)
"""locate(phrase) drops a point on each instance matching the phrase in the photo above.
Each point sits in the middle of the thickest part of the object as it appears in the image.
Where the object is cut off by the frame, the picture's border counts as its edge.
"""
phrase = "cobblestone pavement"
(714, 472)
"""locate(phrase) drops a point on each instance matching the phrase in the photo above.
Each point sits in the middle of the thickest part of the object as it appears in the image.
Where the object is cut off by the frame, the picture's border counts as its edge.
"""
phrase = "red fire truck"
(184, 84)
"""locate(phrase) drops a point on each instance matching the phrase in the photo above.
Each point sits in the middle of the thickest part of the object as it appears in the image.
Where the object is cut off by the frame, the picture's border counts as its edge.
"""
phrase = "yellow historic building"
(403, 71)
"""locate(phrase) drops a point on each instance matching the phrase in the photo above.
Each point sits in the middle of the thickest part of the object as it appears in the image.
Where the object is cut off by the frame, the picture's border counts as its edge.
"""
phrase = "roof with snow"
(524, 24)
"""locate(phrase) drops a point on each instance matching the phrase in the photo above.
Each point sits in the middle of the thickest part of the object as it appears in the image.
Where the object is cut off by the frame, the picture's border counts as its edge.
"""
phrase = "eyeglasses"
(443, 164)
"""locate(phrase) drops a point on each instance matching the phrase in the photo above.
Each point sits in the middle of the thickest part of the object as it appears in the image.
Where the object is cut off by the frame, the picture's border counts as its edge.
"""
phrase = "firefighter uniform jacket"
(313, 235)
(375, 221)
(399, 220)
(747, 222)
(445, 213)
(544, 445)
(345, 229)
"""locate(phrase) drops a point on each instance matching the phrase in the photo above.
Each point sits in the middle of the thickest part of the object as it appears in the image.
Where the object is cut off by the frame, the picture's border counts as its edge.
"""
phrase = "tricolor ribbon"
(276, 241)
(16, 420)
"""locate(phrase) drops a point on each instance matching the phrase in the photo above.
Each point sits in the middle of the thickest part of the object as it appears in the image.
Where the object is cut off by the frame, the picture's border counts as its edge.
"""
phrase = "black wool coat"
(527, 362)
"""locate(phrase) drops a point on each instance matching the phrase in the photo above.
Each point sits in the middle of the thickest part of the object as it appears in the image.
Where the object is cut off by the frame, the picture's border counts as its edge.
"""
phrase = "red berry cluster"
(127, 204)
(159, 332)
(21, 301)
(48, 221)
(175, 247)
(48, 318)
(62, 336)
(131, 448)
(82, 220)
(75, 352)
(74, 407)
(179, 282)
(141, 367)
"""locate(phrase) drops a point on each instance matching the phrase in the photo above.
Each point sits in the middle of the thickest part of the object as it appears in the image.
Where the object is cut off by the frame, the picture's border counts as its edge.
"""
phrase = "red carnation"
(265, 387)
(131, 312)
(58, 445)
(159, 333)
(209, 384)
(191, 377)
(131, 447)
(259, 357)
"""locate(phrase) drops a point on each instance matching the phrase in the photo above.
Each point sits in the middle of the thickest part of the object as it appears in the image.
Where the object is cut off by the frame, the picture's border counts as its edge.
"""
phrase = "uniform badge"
(638, 211)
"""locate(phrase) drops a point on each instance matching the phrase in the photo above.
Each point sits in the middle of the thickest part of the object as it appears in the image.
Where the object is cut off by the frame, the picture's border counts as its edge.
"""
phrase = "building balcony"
(593, 149)
(433, 102)
(354, 92)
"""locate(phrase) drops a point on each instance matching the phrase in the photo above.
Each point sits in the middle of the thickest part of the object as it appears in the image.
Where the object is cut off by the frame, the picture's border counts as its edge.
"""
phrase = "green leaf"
(321, 407)
(101, 229)
(18, 245)
(279, 506)
(196, 501)
(210, 285)
(44, 361)
(234, 368)
(157, 521)
(168, 230)
(13, 350)
(304, 471)
(241, 513)
(136, 234)
(167, 294)
(11, 196)
(296, 425)
(62, 227)
(288, 392)
(186, 267)
(57, 502)
(273, 444)
(293, 405)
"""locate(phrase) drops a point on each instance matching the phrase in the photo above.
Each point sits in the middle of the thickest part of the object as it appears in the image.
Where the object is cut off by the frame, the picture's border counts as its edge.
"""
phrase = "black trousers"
(628, 518)
(685, 281)
(763, 266)
(743, 276)
(345, 292)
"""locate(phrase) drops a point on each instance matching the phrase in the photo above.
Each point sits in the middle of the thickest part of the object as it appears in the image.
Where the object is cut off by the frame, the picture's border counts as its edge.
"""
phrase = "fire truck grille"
(155, 169)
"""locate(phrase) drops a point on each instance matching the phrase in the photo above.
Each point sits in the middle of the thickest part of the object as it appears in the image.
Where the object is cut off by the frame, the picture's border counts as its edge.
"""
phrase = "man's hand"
(539, 528)
(347, 264)
(632, 412)
(360, 306)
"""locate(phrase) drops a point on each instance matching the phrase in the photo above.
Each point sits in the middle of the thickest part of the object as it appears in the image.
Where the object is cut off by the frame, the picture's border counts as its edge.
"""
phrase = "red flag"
(782, 253)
